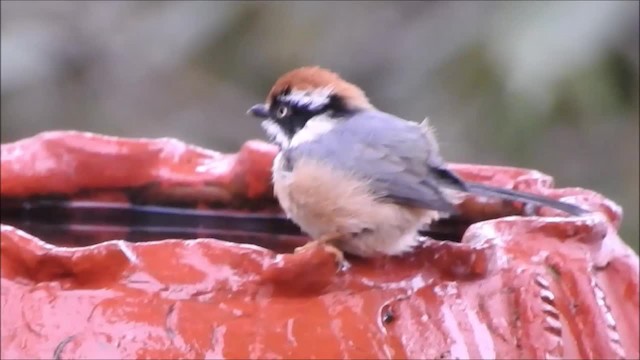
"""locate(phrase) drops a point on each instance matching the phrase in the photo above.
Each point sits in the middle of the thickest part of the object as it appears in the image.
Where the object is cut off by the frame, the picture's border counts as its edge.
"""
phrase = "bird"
(356, 179)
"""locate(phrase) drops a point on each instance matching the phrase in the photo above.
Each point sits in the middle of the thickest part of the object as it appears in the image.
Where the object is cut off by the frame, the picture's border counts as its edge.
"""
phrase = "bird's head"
(305, 96)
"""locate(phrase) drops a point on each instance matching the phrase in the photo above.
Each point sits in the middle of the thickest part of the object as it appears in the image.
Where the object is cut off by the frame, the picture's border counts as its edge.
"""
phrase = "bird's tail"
(487, 190)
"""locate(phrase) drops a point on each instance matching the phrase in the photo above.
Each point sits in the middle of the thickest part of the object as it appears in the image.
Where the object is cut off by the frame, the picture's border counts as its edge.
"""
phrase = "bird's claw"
(339, 255)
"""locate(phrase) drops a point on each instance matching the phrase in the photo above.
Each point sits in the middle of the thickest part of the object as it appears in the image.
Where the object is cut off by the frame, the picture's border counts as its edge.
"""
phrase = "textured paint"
(515, 287)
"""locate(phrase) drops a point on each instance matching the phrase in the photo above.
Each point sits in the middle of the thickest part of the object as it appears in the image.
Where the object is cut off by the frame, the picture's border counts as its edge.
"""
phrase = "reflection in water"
(83, 223)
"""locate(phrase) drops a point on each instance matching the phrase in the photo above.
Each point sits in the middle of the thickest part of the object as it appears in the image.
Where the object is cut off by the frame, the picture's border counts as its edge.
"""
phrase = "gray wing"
(395, 155)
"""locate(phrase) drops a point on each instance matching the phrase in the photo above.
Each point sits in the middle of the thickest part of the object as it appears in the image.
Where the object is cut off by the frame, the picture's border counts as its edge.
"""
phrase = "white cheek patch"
(315, 127)
(312, 100)
(275, 133)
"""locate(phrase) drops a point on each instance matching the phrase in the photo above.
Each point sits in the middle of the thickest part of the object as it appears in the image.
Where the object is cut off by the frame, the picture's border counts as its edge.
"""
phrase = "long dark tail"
(486, 190)
(448, 179)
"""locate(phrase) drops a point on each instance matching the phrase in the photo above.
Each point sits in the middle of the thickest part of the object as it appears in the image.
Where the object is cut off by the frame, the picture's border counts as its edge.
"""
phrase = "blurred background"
(546, 85)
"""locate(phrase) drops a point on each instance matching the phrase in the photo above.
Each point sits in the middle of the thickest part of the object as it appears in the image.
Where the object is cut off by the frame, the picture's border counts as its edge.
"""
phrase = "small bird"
(354, 178)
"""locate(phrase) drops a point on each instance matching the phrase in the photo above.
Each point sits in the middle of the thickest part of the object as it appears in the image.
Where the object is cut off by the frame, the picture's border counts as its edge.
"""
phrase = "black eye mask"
(295, 119)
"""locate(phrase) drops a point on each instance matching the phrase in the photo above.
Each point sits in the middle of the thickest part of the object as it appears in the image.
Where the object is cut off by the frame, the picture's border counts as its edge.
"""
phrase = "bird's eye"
(282, 111)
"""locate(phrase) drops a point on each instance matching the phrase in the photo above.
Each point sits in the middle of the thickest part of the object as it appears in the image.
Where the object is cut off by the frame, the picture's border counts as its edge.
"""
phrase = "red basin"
(544, 286)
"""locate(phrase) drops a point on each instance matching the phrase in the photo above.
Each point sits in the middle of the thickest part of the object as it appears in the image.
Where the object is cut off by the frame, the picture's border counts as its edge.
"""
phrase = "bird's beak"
(259, 110)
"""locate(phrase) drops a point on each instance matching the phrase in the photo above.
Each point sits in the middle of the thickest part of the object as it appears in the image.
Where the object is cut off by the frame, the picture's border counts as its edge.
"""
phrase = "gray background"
(545, 85)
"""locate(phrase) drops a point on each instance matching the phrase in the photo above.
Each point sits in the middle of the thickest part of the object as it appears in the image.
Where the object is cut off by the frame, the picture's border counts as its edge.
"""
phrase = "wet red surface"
(66, 163)
(514, 287)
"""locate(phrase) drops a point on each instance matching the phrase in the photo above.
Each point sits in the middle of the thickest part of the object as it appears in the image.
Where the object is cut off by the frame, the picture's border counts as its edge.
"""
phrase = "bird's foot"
(326, 244)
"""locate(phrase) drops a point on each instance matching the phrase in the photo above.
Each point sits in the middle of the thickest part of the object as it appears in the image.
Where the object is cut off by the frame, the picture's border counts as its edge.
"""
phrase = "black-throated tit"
(355, 178)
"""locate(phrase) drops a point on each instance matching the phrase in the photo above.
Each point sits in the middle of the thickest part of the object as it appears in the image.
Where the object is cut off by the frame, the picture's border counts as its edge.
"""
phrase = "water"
(82, 223)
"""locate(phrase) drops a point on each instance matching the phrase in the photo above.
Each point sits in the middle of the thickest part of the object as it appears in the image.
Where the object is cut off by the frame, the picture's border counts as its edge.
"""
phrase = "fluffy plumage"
(358, 178)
